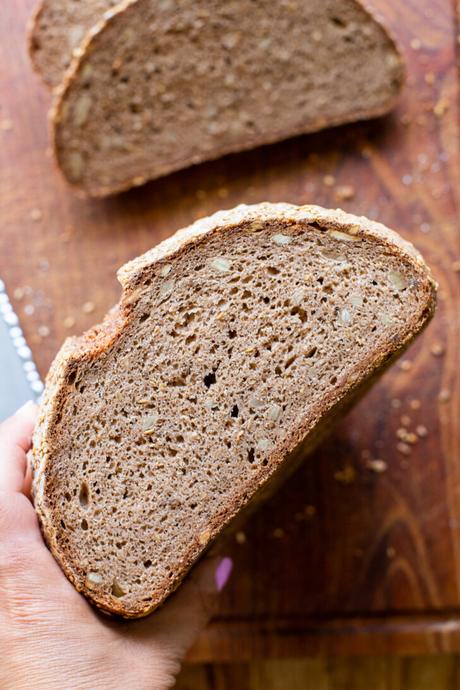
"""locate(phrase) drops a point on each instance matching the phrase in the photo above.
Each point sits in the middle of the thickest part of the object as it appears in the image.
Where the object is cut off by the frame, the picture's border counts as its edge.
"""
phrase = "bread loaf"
(156, 87)
(235, 340)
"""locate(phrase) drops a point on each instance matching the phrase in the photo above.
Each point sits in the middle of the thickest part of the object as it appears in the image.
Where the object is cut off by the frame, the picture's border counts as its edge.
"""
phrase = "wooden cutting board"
(352, 555)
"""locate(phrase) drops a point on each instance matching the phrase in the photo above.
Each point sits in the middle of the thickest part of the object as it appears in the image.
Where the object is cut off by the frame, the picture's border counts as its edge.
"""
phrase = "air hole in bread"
(83, 496)
(210, 379)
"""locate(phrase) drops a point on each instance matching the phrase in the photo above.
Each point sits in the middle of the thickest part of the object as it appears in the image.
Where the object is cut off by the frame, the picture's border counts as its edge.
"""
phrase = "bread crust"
(96, 342)
(89, 44)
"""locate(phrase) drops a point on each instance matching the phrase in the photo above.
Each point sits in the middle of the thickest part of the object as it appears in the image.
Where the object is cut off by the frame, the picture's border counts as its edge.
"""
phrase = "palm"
(50, 636)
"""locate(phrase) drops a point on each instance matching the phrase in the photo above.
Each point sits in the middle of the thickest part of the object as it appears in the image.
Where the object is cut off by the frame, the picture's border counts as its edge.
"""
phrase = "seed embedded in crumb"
(437, 350)
(88, 307)
(421, 431)
(378, 466)
(69, 322)
(220, 264)
(281, 240)
(240, 538)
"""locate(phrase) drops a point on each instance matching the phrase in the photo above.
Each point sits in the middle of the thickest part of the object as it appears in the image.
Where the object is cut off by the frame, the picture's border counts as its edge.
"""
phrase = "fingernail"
(223, 572)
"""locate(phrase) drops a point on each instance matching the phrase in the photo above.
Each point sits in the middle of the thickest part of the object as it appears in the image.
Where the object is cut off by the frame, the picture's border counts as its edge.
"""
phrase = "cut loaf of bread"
(235, 340)
(156, 87)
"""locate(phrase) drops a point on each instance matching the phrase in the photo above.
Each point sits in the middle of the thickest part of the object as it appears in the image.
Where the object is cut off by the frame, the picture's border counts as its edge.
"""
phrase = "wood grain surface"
(352, 555)
(371, 673)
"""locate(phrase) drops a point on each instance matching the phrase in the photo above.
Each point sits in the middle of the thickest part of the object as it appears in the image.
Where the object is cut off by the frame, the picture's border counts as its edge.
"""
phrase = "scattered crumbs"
(425, 228)
(411, 438)
(430, 78)
(329, 180)
(6, 125)
(391, 552)
(88, 307)
(407, 180)
(69, 322)
(18, 293)
(240, 538)
(444, 395)
(345, 192)
(308, 513)
(421, 431)
(347, 475)
(29, 309)
(201, 194)
(416, 44)
(437, 350)
(43, 331)
(378, 466)
(222, 192)
(405, 365)
(405, 420)
(405, 119)
(278, 533)
(403, 448)
(36, 215)
(415, 404)
(396, 403)
(456, 267)
(441, 107)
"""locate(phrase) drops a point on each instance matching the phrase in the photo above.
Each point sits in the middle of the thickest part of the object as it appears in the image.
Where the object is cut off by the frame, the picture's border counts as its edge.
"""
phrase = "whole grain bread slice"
(156, 87)
(57, 29)
(237, 341)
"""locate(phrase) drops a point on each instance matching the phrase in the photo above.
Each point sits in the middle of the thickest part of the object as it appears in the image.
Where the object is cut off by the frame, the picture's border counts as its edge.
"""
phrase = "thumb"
(176, 625)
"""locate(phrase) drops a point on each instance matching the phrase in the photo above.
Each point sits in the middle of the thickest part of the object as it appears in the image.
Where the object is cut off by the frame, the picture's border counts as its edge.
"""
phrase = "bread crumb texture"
(229, 347)
(156, 86)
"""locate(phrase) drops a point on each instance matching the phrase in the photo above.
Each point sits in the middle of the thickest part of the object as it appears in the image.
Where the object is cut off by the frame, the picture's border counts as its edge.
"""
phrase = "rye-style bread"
(57, 29)
(156, 87)
(234, 341)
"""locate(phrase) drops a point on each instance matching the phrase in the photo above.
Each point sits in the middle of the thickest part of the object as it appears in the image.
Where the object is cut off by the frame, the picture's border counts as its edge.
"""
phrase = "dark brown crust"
(96, 343)
(81, 54)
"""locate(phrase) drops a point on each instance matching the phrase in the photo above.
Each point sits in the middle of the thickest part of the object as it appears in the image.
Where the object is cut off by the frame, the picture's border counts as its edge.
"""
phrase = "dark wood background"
(344, 559)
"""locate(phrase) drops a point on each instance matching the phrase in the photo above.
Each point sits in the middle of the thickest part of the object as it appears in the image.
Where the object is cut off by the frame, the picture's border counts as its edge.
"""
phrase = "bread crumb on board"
(345, 192)
(378, 466)
(36, 215)
(240, 538)
(347, 475)
(437, 349)
(88, 307)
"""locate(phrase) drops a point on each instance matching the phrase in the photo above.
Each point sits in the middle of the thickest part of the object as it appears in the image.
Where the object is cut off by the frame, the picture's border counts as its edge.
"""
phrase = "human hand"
(50, 637)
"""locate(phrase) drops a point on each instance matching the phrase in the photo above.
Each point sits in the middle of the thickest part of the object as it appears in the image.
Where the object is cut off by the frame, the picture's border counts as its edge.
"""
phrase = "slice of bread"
(57, 29)
(156, 88)
(234, 341)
